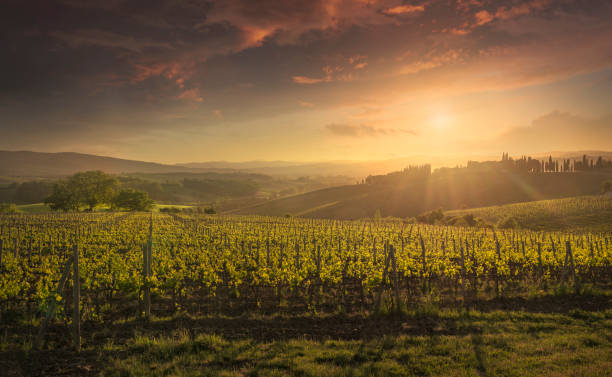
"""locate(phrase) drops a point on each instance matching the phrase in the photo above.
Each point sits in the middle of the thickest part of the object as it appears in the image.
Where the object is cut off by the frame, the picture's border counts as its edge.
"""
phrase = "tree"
(63, 197)
(88, 189)
(132, 200)
(606, 187)
(32, 192)
(94, 188)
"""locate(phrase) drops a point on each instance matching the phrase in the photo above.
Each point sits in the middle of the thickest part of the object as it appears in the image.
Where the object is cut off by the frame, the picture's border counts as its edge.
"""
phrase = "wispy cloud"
(308, 80)
(363, 130)
(108, 39)
(306, 104)
(404, 9)
(432, 59)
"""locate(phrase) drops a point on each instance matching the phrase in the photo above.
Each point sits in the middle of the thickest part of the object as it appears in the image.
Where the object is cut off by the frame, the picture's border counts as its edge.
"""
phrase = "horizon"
(359, 80)
(459, 161)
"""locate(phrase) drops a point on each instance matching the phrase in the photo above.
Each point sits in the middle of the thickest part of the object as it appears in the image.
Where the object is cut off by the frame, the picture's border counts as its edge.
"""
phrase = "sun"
(440, 120)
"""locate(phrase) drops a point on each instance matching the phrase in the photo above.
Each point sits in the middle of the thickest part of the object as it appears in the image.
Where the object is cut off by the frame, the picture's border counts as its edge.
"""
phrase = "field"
(43, 208)
(246, 295)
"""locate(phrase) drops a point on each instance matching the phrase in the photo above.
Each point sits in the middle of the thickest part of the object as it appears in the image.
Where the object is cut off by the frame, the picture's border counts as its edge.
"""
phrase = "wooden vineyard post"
(51, 310)
(318, 261)
(497, 261)
(424, 262)
(297, 255)
(76, 289)
(462, 271)
(382, 283)
(145, 274)
(374, 252)
(268, 252)
(318, 288)
(345, 297)
(540, 268)
(147, 270)
(572, 267)
(395, 279)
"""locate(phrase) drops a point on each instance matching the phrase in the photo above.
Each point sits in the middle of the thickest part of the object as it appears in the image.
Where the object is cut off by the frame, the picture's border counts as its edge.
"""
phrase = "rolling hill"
(466, 189)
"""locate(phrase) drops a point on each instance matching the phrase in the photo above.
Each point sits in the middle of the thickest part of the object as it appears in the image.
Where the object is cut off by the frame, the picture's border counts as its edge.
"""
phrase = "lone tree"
(132, 200)
(94, 188)
(89, 189)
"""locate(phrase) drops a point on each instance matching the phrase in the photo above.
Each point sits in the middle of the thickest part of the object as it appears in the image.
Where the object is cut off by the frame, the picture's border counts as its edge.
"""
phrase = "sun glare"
(440, 120)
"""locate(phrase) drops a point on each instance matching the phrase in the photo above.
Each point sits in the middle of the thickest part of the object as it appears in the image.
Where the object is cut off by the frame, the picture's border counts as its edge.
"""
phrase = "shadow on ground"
(62, 360)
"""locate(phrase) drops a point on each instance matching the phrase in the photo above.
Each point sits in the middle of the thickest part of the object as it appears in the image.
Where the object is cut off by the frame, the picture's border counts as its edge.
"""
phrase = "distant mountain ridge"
(45, 165)
(30, 164)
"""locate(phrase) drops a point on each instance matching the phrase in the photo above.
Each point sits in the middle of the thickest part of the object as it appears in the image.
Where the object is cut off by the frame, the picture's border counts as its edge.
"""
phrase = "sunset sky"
(181, 81)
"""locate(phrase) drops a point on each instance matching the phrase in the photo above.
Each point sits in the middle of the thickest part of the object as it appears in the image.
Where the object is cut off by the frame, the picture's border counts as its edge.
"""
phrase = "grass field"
(41, 207)
(33, 208)
(552, 335)
(157, 207)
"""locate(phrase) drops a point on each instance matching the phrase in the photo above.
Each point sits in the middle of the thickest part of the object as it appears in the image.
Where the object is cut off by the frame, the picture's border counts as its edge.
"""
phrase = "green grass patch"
(33, 208)
(454, 342)
(157, 207)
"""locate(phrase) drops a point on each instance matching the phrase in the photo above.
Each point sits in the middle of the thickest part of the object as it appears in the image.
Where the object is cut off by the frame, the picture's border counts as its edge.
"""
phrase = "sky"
(314, 80)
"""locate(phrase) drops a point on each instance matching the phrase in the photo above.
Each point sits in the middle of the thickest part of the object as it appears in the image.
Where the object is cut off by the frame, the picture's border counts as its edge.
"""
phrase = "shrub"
(170, 210)
(431, 217)
(508, 223)
(470, 220)
(132, 200)
(8, 208)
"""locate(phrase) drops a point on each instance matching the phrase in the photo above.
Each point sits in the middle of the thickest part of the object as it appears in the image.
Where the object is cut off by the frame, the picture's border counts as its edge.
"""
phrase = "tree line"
(531, 165)
(524, 165)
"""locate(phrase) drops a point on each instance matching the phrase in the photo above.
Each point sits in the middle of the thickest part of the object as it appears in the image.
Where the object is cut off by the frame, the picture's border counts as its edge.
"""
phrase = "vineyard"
(133, 264)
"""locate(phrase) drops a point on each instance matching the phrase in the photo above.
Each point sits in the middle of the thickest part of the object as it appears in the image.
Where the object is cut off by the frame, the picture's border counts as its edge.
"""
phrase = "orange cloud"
(404, 9)
(307, 80)
(431, 60)
(522, 9)
(191, 95)
(254, 35)
(483, 17)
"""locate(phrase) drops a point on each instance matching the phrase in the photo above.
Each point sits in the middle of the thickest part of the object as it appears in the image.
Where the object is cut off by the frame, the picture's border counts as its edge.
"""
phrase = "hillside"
(42, 165)
(592, 213)
(463, 189)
